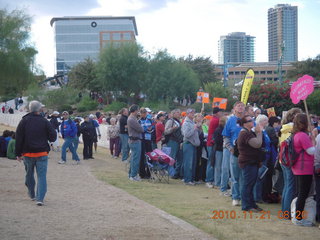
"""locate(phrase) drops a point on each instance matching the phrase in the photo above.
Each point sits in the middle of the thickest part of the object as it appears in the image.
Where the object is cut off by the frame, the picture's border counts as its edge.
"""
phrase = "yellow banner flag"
(246, 85)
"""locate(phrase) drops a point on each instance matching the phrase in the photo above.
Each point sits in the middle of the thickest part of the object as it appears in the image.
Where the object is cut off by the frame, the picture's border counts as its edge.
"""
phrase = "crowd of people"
(236, 153)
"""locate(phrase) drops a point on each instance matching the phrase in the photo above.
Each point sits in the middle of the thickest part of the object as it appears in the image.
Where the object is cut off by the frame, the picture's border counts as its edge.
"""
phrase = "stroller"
(159, 165)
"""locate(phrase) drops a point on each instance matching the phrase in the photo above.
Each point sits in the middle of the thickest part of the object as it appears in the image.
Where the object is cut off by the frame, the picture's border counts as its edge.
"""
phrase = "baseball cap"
(160, 115)
(55, 113)
(190, 110)
(216, 110)
(91, 116)
(148, 109)
(65, 112)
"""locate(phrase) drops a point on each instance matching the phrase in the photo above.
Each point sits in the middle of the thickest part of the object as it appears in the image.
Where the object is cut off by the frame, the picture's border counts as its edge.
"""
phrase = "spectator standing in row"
(218, 145)
(146, 141)
(160, 130)
(289, 187)
(32, 137)
(190, 142)
(114, 139)
(303, 169)
(249, 143)
(173, 133)
(134, 130)
(214, 123)
(124, 134)
(230, 134)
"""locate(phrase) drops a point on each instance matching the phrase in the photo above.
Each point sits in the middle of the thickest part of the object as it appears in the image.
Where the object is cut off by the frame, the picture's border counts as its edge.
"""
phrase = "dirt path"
(78, 206)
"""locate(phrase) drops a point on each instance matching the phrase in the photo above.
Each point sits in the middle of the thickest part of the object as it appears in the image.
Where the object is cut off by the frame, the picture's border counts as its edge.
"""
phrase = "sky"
(182, 27)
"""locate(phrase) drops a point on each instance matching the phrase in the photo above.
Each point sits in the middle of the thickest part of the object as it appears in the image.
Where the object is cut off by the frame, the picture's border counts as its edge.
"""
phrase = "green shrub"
(64, 107)
(87, 104)
(115, 106)
(55, 99)
(313, 102)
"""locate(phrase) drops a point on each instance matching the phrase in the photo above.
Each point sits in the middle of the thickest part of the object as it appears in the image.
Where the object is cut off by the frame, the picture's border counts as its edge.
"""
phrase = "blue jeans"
(135, 147)
(69, 143)
(175, 153)
(124, 146)
(189, 162)
(257, 190)
(288, 188)
(76, 143)
(41, 164)
(249, 178)
(225, 170)
(210, 170)
(235, 178)
(217, 168)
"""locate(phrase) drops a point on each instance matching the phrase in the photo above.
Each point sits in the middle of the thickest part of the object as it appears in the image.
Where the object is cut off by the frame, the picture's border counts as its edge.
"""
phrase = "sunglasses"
(251, 120)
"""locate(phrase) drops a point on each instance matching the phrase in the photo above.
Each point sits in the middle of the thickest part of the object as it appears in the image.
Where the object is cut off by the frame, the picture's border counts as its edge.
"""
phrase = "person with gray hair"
(113, 137)
(32, 137)
(190, 142)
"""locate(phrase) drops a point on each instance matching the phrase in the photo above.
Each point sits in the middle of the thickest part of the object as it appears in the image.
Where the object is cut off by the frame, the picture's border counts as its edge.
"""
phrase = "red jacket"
(159, 131)
(214, 123)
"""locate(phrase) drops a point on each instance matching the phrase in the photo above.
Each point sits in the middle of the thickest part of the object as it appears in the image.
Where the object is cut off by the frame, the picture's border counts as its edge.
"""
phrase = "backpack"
(287, 154)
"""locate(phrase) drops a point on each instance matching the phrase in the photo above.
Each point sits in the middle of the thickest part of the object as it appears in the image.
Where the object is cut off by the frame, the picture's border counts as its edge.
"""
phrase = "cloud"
(53, 8)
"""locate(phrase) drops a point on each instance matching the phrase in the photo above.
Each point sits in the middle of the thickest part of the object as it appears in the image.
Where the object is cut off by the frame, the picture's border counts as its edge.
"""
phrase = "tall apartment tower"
(283, 33)
(236, 47)
(78, 38)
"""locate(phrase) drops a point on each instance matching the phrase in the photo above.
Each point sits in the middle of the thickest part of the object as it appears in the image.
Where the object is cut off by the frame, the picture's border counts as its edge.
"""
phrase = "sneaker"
(39, 203)
(190, 183)
(235, 202)
(302, 222)
(136, 178)
(125, 161)
(76, 162)
(226, 193)
(259, 209)
(62, 162)
(252, 210)
(209, 185)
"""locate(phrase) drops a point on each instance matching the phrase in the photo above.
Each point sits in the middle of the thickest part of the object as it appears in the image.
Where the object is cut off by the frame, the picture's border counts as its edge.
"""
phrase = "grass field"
(195, 204)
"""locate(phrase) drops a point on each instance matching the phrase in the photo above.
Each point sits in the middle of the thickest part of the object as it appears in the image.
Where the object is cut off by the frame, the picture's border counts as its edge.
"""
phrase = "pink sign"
(301, 89)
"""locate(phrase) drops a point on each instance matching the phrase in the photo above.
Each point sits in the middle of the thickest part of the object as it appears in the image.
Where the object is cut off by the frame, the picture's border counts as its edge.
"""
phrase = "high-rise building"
(236, 47)
(77, 38)
(283, 33)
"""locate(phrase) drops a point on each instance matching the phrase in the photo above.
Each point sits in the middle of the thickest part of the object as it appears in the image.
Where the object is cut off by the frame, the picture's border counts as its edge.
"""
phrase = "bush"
(115, 106)
(158, 106)
(57, 98)
(87, 104)
(272, 94)
(64, 107)
(313, 102)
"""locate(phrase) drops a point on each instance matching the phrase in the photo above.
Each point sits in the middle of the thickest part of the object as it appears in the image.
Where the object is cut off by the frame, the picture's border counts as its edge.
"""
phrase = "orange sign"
(271, 112)
(203, 97)
(220, 103)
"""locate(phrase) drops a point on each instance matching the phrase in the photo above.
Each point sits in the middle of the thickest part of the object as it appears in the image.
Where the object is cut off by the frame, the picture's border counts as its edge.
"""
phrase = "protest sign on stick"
(300, 90)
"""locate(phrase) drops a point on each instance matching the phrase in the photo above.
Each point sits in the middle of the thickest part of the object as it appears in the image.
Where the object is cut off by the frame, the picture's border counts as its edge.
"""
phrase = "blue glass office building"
(236, 47)
(77, 38)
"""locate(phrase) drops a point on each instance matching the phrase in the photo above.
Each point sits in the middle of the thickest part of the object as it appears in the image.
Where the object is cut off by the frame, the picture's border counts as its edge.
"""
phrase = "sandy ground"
(78, 206)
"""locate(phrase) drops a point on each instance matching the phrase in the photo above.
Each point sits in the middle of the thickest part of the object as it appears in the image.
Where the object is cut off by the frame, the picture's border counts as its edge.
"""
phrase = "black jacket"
(123, 121)
(33, 134)
(87, 130)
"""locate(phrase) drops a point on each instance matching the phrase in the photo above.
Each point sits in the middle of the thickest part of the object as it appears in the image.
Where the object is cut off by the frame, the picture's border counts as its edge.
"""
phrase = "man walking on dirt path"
(32, 137)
